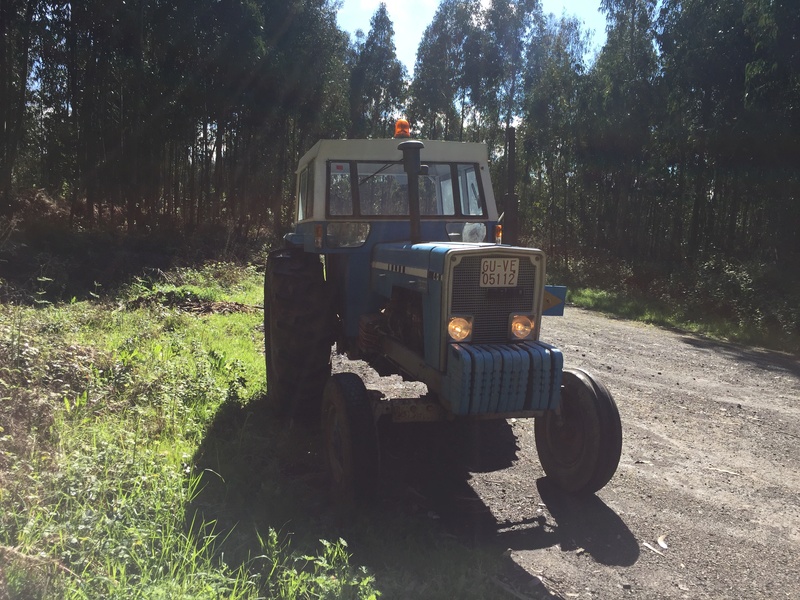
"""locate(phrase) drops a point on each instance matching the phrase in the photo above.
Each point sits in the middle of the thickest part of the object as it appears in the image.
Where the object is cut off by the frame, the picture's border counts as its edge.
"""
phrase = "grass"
(748, 301)
(137, 461)
(669, 313)
(103, 411)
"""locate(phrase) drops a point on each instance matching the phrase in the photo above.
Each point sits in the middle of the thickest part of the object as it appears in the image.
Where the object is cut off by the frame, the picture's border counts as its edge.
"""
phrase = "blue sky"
(411, 17)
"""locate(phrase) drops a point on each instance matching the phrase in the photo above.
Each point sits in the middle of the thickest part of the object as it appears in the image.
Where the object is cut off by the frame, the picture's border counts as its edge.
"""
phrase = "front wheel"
(351, 450)
(580, 448)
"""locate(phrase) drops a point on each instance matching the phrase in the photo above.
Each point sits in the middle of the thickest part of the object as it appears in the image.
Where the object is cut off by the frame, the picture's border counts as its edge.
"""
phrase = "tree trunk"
(13, 89)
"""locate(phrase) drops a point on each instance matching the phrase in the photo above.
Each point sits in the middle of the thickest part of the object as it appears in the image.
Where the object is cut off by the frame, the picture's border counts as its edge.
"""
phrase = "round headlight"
(521, 326)
(459, 328)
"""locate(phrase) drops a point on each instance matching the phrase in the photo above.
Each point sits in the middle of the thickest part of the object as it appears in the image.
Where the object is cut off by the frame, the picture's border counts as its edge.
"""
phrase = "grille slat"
(490, 307)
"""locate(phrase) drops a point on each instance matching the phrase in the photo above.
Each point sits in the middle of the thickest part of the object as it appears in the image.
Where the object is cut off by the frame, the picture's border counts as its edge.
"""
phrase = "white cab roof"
(386, 150)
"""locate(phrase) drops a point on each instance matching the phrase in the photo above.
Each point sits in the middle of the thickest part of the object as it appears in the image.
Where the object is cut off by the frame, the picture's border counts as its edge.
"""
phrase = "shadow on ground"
(259, 473)
(764, 359)
(577, 522)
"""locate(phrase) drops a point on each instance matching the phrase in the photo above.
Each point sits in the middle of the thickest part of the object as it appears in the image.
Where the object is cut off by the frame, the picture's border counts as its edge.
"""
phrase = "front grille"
(490, 307)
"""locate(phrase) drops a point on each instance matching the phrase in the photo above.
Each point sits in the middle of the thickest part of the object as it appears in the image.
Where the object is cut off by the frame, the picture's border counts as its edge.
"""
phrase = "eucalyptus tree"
(551, 132)
(92, 39)
(623, 99)
(507, 25)
(16, 39)
(497, 61)
(705, 52)
(440, 91)
(300, 94)
(378, 80)
(772, 93)
(45, 158)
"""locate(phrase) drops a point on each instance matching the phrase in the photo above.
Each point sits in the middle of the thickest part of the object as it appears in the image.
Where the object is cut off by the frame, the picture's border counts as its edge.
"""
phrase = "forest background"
(667, 165)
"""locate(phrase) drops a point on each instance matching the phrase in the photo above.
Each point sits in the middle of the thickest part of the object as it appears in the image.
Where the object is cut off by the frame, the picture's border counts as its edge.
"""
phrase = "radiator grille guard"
(503, 378)
(489, 375)
(490, 307)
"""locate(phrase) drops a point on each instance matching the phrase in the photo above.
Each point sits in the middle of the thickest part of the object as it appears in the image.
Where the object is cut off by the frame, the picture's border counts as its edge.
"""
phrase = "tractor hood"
(422, 261)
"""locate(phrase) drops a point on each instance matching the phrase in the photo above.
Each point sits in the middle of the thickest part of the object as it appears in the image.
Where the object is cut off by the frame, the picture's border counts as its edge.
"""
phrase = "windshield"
(381, 189)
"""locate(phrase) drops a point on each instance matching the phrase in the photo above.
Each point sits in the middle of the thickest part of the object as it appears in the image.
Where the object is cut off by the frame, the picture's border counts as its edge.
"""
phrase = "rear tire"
(351, 450)
(580, 448)
(298, 333)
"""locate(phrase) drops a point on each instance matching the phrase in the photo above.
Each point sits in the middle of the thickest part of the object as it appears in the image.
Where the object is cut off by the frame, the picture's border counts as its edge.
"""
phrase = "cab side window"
(305, 193)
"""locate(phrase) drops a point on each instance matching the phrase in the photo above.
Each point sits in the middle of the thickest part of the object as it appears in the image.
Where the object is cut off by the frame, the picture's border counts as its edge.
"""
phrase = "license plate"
(499, 272)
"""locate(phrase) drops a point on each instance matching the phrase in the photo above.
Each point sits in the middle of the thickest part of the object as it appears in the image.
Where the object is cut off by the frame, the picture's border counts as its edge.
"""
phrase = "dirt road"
(706, 500)
(710, 467)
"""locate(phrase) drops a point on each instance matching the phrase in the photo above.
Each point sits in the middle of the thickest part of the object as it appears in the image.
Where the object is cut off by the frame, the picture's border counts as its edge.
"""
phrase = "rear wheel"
(580, 448)
(298, 333)
(351, 451)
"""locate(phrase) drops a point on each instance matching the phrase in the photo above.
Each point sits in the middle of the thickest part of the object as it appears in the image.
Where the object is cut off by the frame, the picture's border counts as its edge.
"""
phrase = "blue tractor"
(397, 259)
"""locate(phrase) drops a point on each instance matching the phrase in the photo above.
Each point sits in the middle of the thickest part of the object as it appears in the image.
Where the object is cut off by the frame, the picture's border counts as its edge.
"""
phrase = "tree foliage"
(441, 92)
(182, 113)
(16, 39)
(378, 80)
(674, 149)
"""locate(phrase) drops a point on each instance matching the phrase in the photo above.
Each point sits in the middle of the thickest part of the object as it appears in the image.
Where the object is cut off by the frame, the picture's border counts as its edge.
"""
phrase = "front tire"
(580, 448)
(351, 451)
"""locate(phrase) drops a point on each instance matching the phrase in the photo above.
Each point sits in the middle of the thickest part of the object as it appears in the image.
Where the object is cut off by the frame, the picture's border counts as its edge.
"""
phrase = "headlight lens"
(460, 328)
(522, 327)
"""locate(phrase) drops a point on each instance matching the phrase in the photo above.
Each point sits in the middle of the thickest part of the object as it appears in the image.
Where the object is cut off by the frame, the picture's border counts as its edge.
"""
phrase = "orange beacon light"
(402, 129)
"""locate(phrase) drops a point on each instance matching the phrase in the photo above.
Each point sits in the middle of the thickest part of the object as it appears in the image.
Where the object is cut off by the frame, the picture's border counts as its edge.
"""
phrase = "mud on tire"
(298, 333)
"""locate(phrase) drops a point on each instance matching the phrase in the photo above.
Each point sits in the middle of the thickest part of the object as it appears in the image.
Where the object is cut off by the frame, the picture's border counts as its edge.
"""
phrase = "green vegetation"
(671, 149)
(103, 409)
(138, 461)
(135, 459)
(750, 303)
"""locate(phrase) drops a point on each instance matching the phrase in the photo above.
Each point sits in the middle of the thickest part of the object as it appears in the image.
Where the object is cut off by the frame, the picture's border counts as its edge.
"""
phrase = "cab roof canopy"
(385, 150)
